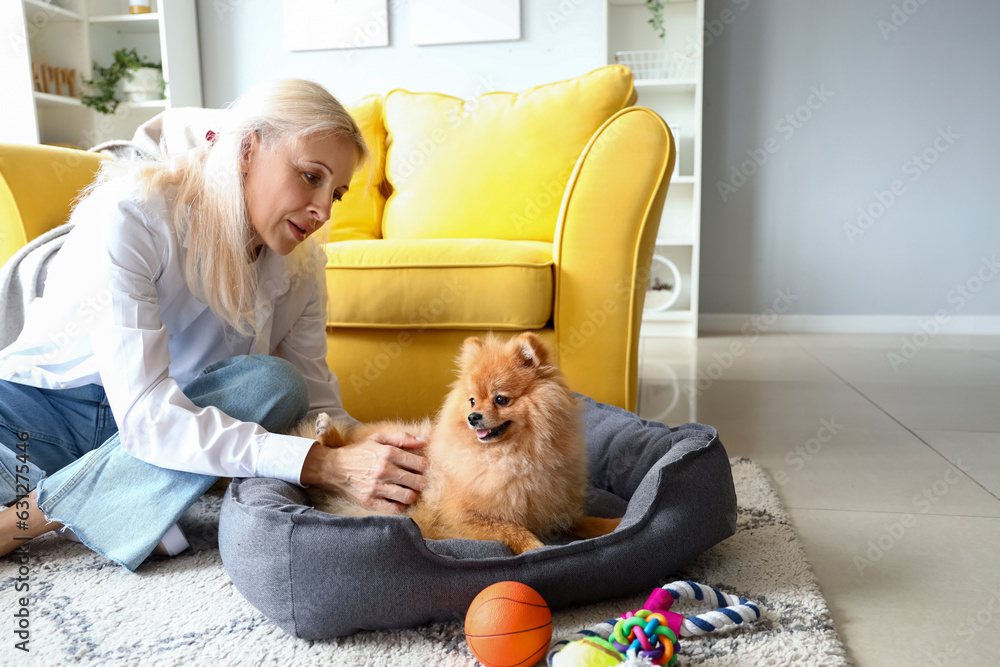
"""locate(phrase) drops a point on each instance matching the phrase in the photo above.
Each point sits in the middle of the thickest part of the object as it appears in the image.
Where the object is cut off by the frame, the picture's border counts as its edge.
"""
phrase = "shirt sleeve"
(157, 422)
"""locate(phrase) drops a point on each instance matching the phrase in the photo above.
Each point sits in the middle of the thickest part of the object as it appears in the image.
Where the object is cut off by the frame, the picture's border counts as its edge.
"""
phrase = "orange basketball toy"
(508, 625)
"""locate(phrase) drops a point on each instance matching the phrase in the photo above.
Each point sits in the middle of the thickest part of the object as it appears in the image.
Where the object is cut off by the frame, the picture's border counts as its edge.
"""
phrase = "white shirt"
(116, 311)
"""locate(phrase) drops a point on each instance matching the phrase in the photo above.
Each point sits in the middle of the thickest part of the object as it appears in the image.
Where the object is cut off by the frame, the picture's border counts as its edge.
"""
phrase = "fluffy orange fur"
(507, 451)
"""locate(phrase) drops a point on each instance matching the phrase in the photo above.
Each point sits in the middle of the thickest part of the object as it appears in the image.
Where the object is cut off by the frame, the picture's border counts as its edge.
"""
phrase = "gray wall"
(891, 93)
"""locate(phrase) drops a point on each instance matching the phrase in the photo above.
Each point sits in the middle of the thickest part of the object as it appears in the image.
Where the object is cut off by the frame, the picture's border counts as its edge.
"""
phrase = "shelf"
(155, 104)
(50, 100)
(75, 34)
(57, 14)
(673, 241)
(667, 316)
(673, 67)
(129, 23)
(621, 3)
(669, 324)
(667, 85)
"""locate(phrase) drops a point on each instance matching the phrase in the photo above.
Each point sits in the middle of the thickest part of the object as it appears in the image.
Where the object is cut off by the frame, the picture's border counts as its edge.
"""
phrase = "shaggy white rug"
(83, 609)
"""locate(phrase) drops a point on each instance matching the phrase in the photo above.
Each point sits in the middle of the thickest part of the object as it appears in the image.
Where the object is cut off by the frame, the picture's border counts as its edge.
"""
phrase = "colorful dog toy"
(642, 633)
(652, 632)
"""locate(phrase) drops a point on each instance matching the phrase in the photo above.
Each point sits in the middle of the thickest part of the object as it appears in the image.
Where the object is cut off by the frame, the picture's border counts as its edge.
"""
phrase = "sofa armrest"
(603, 246)
(37, 187)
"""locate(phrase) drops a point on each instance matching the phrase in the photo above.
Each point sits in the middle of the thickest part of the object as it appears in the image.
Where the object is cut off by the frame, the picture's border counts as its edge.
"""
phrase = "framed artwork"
(464, 21)
(311, 25)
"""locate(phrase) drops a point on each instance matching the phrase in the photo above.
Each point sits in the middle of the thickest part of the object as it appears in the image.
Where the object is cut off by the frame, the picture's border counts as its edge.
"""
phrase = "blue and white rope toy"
(732, 610)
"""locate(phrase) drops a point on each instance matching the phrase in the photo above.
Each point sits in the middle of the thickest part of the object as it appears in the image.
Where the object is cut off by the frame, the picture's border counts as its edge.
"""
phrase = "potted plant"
(655, 8)
(140, 79)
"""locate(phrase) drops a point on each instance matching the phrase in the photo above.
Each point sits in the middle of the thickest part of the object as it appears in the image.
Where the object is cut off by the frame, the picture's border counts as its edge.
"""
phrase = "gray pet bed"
(318, 576)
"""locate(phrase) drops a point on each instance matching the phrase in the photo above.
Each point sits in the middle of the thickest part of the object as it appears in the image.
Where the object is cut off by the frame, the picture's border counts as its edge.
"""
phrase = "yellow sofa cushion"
(439, 284)
(38, 185)
(359, 214)
(495, 166)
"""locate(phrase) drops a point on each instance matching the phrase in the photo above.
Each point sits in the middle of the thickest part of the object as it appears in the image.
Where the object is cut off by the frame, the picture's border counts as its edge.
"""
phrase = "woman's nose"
(321, 208)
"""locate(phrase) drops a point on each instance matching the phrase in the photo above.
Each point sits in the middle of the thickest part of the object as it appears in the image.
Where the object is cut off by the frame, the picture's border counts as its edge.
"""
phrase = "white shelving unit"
(679, 101)
(75, 33)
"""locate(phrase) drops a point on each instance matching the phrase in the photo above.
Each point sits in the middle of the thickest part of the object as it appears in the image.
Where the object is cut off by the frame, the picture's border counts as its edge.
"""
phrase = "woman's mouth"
(298, 233)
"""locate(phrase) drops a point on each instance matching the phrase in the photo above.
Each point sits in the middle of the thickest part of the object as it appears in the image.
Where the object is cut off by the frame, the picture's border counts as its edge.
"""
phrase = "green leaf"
(106, 79)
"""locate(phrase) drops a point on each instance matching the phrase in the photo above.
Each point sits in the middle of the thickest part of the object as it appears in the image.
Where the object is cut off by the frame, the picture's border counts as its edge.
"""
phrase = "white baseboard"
(902, 324)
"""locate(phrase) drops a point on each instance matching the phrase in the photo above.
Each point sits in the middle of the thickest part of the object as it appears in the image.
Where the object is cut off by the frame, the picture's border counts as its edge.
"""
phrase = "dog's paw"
(324, 423)
(527, 543)
(327, 432)
(589, 527)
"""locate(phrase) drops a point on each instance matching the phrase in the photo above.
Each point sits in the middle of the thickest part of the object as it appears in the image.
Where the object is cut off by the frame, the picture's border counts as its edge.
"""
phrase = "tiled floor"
(888, 460)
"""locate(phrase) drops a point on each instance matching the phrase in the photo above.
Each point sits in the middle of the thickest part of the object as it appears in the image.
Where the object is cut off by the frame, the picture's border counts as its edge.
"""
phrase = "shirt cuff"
(282, 457)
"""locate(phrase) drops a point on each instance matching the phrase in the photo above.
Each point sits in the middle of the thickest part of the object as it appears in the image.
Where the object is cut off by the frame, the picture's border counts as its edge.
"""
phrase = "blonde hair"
(206, 186)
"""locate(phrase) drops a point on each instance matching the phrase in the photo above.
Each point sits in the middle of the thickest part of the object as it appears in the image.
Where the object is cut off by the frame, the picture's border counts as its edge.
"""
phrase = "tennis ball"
(588, 652)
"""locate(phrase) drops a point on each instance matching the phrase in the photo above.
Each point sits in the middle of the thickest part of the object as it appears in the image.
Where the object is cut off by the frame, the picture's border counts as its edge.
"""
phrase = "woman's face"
(290, 189)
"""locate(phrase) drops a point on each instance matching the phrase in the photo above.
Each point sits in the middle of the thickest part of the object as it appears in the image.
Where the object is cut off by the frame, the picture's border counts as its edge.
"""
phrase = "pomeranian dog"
(507, 451)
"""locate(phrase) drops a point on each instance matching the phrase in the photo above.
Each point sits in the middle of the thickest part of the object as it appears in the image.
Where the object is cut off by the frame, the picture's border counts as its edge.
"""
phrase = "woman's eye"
(472, 402)
(313, 179)
(501, 400)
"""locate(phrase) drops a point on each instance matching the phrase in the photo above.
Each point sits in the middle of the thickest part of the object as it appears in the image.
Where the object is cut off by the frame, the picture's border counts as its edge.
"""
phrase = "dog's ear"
(470, 348)
(532, 350)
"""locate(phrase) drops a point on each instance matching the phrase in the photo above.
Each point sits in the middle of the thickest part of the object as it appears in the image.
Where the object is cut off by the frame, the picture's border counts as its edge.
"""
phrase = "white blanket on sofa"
(22, 279)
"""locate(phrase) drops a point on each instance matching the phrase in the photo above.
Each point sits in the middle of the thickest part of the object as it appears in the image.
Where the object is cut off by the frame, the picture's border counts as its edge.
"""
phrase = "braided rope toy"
(733, 610)
(652, 632)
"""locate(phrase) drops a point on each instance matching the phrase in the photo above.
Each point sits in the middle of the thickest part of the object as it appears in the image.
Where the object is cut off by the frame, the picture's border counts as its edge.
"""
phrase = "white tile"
(992, 354)
(985, 343)
(828, 465)
(938, 408)
(907, 589)
(744, 360)
(723, 339)
(978, 453)
(911, 365)
(882, 341)
(787, 404)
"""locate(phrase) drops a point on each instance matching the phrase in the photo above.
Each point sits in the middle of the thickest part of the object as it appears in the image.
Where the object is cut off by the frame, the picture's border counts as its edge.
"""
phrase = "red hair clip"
(212, 137)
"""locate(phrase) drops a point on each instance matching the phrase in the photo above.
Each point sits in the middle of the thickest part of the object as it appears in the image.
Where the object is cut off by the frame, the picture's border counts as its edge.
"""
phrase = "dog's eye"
(501, 400)
(472, 402)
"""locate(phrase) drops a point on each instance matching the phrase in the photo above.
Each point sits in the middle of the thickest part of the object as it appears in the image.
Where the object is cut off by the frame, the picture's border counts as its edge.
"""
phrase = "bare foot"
(21, 522)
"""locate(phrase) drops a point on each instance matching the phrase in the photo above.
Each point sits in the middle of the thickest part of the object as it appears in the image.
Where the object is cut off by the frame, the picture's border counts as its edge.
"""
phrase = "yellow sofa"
(509, 212)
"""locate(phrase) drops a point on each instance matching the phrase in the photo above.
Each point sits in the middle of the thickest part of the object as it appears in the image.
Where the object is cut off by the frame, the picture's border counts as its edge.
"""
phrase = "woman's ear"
(248, 148)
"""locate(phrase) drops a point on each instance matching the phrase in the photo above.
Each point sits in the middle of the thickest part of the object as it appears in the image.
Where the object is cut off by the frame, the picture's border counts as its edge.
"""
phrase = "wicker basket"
(656, 64)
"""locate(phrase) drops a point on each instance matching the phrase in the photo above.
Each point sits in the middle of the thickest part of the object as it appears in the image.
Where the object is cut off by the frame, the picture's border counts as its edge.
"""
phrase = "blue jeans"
(118, 505)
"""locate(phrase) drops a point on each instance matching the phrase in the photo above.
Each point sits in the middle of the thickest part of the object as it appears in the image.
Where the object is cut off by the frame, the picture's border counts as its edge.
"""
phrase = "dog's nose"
(475, 418)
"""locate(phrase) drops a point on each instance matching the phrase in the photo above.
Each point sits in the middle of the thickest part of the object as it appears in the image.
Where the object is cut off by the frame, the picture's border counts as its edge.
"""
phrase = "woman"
(182, 330)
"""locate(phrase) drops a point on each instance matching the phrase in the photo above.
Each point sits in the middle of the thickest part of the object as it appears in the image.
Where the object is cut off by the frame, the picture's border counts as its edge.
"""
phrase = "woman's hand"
(378, 473)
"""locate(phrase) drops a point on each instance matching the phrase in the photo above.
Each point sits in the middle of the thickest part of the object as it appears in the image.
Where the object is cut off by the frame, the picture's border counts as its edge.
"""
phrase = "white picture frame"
(311, 25)
(464, 21)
